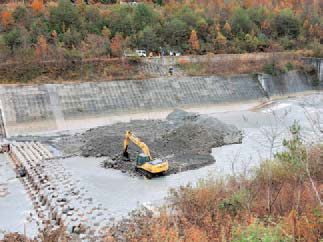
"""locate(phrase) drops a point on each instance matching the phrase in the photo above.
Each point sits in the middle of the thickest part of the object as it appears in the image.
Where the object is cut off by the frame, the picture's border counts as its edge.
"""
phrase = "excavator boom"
(130, 136)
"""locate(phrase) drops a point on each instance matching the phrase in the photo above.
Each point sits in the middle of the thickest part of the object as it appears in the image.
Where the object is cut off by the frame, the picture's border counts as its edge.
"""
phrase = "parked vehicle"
(141, 53)
(129, 53)
(174, 53)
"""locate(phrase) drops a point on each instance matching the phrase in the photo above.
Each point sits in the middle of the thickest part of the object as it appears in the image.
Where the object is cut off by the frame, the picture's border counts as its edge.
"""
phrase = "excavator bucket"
(125, 154)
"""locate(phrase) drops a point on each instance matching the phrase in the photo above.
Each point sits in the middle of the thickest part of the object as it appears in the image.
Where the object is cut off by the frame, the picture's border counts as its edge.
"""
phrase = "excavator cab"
(142, 159)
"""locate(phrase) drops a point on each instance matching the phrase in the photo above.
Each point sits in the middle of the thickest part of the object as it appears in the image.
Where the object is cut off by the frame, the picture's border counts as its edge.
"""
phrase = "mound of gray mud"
(184, 138)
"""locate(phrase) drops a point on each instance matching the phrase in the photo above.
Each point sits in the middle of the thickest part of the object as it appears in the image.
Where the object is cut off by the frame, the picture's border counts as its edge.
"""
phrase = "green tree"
(241, 22)
(120, 20)
(93, 20)
(71, 38)
(13, 39)
(188, 16)
(22, 16)
(286, 24)
(251, 42)
(176, 33)
(63, 17)
(143, 16)
(39, 27)
(148, 39)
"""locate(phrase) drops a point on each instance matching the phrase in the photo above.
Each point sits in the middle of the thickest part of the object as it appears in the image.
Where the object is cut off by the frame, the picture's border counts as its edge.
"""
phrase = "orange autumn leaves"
(37, 5)
(7, 18)
(194, 41)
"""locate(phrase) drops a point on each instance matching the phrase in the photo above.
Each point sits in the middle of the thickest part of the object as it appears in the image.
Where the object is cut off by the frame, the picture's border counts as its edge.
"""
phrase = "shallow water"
(263, 130)
(15, 206)
(121, 193)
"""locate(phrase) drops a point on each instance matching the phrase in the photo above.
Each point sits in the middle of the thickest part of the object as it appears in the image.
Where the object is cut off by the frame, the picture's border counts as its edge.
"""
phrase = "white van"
(141, 53)
(174, 53)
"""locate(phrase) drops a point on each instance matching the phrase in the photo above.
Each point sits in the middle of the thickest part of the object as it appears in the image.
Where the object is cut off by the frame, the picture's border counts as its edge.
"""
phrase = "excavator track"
(145, 162)
(149, 175)
(145, 173)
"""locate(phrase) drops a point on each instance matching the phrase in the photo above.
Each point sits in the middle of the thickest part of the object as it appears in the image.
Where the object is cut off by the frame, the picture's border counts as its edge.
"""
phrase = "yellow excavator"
(144, 162)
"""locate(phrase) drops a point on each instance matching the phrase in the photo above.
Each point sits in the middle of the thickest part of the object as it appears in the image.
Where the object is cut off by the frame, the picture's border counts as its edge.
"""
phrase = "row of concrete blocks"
(77, 203)
(29, 157)
(48, 186)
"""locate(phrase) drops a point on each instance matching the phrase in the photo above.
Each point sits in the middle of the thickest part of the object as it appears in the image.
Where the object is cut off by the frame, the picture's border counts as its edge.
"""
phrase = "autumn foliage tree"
(6, 18)
(194, 41)
(117, 45)
(199, 27)
(220, 42)
(227, 29)
(37, 5)
(41, 47)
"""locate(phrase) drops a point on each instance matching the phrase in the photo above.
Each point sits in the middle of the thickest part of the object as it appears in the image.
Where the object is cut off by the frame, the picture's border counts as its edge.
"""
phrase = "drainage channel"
(57, 198)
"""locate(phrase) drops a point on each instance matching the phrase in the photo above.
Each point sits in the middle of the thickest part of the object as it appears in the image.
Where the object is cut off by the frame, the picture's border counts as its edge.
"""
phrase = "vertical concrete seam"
(55, 106)
(2, 119)
(262, 85)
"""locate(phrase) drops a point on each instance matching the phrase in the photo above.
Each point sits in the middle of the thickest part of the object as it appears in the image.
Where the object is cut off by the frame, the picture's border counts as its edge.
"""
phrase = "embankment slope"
(48, 106)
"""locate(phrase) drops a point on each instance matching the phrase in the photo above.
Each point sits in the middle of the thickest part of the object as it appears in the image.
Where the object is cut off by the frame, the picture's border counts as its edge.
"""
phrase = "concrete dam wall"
(291, 82)
(47, 106)
(318, 65)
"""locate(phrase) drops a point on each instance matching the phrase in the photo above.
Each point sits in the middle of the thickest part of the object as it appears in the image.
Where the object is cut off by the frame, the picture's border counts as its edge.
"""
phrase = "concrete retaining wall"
(52, 104)
(318, 64)
(291, 82)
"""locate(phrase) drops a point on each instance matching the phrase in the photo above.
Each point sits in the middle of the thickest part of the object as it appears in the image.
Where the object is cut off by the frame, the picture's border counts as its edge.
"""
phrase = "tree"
(221, 41)
(106, 32)
(120, 20)
(251, 42)
(286, 24)
(188, 16)
(22, 16)
(63, 17)
(143, 16)
(241, 22)
(227, 27)
(194, 41)
(13, 39)
(6, 18)
(266, 27)
(148, 39)
(37, 28)
(117, 45)
(176, 33)
(227, 30)
(71, 38)
(93, 20)
(41, 46)
(37, 5)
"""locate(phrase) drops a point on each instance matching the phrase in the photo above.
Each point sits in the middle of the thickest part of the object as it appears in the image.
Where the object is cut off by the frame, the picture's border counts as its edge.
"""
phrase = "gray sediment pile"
(185, 139)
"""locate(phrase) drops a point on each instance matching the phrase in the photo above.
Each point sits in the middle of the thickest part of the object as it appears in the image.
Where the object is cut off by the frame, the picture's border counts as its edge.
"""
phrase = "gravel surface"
(185, 139)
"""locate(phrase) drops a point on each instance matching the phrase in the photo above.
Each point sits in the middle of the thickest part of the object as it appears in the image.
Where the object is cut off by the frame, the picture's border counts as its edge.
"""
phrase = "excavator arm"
(130, 136)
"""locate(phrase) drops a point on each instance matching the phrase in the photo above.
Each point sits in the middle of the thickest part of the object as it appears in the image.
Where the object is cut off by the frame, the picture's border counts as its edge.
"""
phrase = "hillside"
(54, 41)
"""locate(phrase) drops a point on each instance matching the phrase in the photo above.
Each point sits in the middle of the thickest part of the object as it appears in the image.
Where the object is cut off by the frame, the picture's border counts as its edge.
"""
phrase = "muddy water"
(15, 206)
(264, 129)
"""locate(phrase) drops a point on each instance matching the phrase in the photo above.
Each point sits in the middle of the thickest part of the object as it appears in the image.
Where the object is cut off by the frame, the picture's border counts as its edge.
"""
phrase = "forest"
(53, 29)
